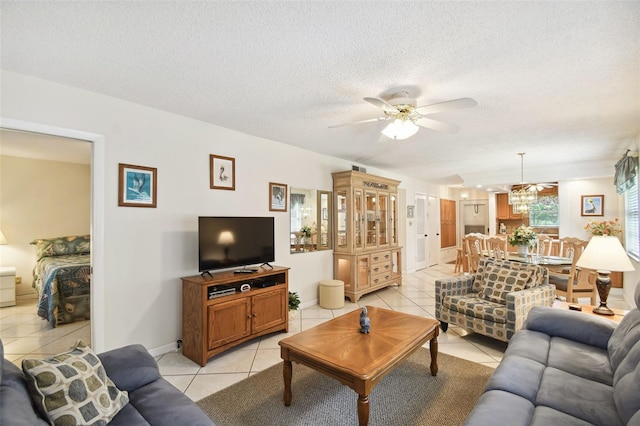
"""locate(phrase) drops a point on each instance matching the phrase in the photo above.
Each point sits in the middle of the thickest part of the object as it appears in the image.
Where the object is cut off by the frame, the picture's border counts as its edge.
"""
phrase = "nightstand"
(7, 286)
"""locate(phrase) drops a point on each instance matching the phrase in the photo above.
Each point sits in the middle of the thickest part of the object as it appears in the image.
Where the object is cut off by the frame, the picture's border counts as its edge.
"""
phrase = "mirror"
(310, 220)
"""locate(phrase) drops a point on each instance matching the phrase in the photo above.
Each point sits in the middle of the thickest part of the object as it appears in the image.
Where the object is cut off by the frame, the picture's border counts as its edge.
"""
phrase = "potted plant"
(522, 237)
(294, 303)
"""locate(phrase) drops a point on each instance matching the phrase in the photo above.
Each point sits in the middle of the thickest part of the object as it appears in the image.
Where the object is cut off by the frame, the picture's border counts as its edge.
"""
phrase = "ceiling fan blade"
(370, 120)
(436, 125)
(387, 107)
(446, 106)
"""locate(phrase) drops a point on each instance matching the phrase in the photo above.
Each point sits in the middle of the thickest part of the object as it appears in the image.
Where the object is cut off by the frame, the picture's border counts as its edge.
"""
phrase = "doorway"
(474, 217)
(98, 322)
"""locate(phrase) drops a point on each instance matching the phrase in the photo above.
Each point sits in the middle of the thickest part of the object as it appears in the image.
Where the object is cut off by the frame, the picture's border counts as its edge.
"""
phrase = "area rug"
(407, 396)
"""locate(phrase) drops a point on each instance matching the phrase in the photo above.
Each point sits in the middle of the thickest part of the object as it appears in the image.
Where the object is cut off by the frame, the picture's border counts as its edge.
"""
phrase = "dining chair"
(578, 282)
(474, 246)
(567, 246)
(497, 247)
(544, 245)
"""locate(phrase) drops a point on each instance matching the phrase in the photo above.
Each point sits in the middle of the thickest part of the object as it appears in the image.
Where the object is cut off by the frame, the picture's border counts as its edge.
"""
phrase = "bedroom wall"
(146, 251)
(40, 199)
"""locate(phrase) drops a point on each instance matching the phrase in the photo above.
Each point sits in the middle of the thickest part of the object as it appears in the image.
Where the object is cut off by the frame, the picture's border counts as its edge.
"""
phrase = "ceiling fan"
(406, 116)
(532, 187)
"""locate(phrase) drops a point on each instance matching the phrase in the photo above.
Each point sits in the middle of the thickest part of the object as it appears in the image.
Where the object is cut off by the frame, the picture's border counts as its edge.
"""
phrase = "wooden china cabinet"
(366, 252)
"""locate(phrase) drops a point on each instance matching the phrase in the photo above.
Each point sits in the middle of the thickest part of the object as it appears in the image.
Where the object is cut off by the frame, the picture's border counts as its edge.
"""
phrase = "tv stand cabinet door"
(228, 321)
(270, 309)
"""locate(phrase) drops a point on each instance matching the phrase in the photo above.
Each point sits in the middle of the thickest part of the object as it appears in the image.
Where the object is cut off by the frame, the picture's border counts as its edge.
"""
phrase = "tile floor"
(23, 333)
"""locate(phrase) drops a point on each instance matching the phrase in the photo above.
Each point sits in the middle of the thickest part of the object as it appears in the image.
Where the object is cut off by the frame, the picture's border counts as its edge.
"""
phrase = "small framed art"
(137, 186)
(410, 211)
(277, 197)
(592, 205)
(222, 172)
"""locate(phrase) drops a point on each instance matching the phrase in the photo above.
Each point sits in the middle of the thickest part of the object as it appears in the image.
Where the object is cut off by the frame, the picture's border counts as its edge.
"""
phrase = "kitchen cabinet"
(504, 210)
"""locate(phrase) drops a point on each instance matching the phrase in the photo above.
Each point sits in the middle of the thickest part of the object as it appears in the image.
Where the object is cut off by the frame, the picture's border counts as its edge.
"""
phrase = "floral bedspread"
(64, 287)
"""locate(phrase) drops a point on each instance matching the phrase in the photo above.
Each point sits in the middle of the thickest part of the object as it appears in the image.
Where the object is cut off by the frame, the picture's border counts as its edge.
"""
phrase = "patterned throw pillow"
(72, 388)
(74, 244)
(499, 281)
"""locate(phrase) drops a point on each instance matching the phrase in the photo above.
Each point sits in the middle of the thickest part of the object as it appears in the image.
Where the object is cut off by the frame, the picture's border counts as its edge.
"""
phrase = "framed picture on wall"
(410, 211)
(592, 205)
(222, 172)
(277, 197)
(137, 186)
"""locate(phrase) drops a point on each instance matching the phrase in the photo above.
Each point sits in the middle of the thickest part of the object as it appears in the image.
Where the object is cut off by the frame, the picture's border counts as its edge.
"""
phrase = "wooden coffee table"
(338, 349)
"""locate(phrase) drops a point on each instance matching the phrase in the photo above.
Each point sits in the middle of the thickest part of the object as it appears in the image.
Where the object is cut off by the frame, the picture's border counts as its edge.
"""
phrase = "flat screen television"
(229, 242)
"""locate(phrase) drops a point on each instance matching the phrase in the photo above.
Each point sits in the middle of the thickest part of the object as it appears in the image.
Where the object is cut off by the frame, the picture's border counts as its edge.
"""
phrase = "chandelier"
(522, 196)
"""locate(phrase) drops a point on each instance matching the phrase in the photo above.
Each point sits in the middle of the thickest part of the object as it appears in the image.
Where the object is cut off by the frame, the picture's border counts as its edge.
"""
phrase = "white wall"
(570, 194)
(146, 251)
(40, 199)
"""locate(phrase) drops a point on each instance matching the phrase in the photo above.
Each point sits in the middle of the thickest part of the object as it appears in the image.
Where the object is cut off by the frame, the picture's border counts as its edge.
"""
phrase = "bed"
(62, 278)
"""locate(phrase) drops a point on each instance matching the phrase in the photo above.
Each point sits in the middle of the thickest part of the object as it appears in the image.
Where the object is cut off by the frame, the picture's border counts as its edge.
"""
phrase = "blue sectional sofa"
(566, 368)
(152, 399)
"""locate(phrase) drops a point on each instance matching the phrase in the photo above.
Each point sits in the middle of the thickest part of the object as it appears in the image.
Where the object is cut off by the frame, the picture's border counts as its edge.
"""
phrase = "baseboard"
(164, 349)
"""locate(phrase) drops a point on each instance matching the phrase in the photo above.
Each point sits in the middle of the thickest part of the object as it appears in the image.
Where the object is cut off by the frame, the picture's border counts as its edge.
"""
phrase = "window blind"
(632, 231)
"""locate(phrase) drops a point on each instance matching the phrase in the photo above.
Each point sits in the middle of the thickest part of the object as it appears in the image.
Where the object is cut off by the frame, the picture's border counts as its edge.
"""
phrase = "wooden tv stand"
(213, 325)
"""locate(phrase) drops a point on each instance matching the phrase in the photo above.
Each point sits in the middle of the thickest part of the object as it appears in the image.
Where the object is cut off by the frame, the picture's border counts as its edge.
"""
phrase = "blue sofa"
(566, 368)
(152, 399)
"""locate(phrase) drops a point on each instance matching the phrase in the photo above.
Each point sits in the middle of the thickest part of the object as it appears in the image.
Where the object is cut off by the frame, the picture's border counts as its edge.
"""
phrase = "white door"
(433, 231)
(420, 217)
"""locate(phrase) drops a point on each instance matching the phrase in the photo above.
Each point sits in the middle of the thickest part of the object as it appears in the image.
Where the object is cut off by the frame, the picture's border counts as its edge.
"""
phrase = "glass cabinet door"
(358, 219)
(341, 219)
(393, 226)
(370, 219)
(383, 218)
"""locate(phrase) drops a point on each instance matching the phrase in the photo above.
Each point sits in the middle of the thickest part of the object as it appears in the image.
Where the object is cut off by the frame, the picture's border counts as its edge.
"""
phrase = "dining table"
(553, 263)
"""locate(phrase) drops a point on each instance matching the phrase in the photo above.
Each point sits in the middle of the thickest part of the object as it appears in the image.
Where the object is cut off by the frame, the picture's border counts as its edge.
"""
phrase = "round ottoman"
(331, 294)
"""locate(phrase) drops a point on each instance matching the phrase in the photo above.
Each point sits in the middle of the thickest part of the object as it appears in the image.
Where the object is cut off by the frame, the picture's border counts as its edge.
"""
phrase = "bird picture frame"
(592, 205)
(137, 186)
(222, 172)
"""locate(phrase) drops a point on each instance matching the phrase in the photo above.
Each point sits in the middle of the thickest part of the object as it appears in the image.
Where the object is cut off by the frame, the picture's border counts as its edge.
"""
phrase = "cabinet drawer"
(380, 278)
(7, 282)
(380, 268)
(380, 257)
(7, 297)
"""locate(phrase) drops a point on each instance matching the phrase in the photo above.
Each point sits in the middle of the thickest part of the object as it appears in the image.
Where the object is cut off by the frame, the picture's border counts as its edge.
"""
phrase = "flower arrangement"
(306, 231)
(604, 227)
(521, 236)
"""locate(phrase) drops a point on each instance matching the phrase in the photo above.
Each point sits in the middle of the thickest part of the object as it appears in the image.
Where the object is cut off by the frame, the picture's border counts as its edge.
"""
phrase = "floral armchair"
(496, 299)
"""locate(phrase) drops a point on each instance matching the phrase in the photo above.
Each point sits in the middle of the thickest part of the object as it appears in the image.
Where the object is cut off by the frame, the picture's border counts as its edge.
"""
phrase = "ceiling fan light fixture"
(400, 129)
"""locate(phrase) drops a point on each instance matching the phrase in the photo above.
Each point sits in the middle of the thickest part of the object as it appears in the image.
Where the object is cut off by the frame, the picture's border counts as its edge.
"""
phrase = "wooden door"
(447, 223)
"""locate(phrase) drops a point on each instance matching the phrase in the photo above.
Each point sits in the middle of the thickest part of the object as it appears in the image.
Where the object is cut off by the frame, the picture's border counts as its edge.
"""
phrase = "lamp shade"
(3, 240)
(605, 253)
(400, 129)
(226, 238)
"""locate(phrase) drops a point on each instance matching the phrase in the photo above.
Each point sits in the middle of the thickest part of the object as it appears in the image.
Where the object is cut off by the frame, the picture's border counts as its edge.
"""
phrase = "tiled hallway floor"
(25, 334)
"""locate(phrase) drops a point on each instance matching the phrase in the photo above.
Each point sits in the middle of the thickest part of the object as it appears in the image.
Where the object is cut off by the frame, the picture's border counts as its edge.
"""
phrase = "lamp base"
(603, 284)
(603, 310)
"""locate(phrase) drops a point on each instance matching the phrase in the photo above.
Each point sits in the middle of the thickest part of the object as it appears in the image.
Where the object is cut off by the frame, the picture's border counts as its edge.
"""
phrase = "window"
(631, 233)
(545, 211)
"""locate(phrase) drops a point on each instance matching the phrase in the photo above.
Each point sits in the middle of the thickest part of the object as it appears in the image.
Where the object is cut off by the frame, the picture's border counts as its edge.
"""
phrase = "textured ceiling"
(557, 80)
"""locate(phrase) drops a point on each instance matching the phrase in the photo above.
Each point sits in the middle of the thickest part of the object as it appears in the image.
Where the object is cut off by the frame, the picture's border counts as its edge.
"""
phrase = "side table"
(588, 309)
(7, 286)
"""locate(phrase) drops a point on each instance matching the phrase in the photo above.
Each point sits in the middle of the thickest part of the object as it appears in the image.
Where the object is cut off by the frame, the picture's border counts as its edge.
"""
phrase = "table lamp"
(604, 254)
(226, 239)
